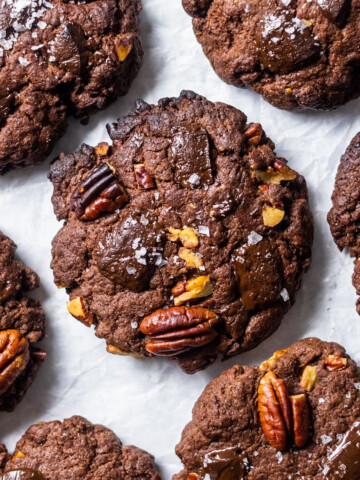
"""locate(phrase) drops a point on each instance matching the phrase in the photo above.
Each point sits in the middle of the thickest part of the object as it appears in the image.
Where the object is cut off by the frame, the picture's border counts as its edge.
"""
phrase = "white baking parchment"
(148, 402)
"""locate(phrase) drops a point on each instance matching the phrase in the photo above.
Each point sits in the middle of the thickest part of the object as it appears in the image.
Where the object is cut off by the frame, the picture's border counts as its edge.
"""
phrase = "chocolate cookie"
(297, 416)
(75, 450)
(343, 217)
(22, 323)
(187, 238)
(60, 58)
(296, 53)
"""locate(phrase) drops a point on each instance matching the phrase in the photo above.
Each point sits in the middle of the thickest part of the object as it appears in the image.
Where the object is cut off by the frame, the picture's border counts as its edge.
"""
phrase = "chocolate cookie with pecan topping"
(343, 218)
(297, 416)
(297, 54)
(75, 449)
(186, 238)
(22, 323)
(60, 58)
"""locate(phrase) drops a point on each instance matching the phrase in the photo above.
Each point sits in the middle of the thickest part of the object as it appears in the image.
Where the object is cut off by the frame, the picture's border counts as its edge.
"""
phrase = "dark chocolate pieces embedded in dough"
(344, 460)
(285, 42)
(22, 474)
(335, 10)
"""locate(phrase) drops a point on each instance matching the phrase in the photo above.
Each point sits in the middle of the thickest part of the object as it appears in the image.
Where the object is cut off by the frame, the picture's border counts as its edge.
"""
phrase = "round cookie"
(187, 238)
(60, 58)
(239, 424)
(296, 53)
(22, 323)
(343, 218)
(75, 449)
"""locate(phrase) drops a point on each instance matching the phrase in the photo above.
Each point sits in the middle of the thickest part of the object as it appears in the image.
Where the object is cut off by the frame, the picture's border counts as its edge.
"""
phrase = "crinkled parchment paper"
(147, 403)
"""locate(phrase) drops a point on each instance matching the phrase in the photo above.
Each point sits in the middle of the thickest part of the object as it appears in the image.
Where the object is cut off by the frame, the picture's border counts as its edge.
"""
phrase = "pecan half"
(143, 177)
(333, 363)
(14, 357)
(99, 193)
(301, 419)
(178, 329)
(282, 417)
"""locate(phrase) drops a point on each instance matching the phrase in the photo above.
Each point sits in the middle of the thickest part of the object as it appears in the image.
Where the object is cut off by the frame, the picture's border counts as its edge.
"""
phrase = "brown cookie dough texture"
(187, 238)
(60, 58)
(75, 449)
(343, 217)
(22, 323)
(297, 416)
(296, 53)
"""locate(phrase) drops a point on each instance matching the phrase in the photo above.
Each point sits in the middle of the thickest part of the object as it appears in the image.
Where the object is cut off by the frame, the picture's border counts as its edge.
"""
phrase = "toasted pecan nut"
(14, 357)
(114, 350)
(254, 133)
(102, 149)
(143, 177)
(269, 363)
(276, 174)
(272, 216)
(301, 419)
(178, 329)
(308, 378)
(198, 287)
(187, 236)
(123, 48)
(99, 193)
(333, 363)
(274, 410)
(78, 310)
(191, 258)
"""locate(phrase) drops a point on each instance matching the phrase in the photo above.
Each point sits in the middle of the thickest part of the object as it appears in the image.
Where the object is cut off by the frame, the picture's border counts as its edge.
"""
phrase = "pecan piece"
(276, 174)
(78, 310)
(308, 378)
(123, 48)
(192, 259)
(178, 329)
(143, 177)
(198, 287)
(274, 410)
(301, 419)
(253, 134)
(102, 149)
(187, 236)
(272, 216)
(99, 193)
(333, 363)
(269, 363)
(14, 357)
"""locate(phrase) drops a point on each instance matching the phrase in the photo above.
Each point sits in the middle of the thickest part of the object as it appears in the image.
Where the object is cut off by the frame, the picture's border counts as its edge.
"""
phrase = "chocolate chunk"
(285, 42)
(257, 269)
(22, 474)
(130, 253)
(224, 464)
(335, 10)
(191, 156)
(69, 44)
(344, 461)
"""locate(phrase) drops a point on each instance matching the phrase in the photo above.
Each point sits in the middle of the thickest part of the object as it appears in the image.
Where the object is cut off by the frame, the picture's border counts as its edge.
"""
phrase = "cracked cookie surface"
(187, 238)
(76, 449)
(296, 53)
(343, 218)
(60, 58)
(22, 323)
(231, 434)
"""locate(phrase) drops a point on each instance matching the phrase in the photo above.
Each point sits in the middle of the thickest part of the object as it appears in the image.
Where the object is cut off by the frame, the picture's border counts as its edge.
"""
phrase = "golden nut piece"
(276, 174)
(114, 350)
(102, 149)
(282, 417)
(122, 49)
(192, 259)
(272, 216)
(198, 287)
(254, 133)
(18, 454)
(79, 311)
(193, 476)
(333, 363)
(269, 363)
(308, 378)
(14, 357)
(178, 329)
(187, 236)
(143, 177)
